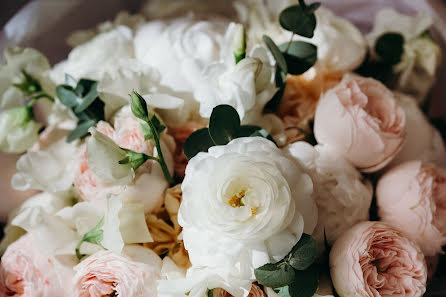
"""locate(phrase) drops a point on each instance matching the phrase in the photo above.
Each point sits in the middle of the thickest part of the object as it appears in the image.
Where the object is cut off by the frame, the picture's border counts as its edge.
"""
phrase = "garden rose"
(361, 120)
(342, 196)
(258, 203)
(373, 259)
(26, 272)
(411, 197)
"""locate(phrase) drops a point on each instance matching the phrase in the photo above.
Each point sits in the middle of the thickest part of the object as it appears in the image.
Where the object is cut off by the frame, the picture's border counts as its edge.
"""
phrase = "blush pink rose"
(412, 198)
(24, 272)
(361, 120)
(373, 259)
(109, 274)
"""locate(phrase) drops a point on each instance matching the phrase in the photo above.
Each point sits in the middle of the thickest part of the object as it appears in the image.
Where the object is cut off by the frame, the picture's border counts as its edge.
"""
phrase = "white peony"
(18, 130)
(342, 196)
(179, 49)
(17, 60)
(421, 57)
(423, 141)
(340, 45)
(57, 161)
(257, 204)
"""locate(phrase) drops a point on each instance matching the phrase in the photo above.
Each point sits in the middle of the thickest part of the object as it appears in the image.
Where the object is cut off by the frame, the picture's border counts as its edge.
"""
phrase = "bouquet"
(271, 151)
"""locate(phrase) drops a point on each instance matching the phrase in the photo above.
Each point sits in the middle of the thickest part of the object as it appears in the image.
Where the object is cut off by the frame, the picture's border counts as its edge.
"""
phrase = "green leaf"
(69, 80)
(223, 124)
(67, 95)
(81, 130)
(199, 141)
(135, 159)
(91, 96)
(83, 86)
(312, 7)
(298, 21)
(139, 106)
(300, 57)
(159, 127)
(247, 130)
(303, 253)
(390, 47)
(306, 283)
(275, 275)
(277, 54)
(283, 291)
(94, 236)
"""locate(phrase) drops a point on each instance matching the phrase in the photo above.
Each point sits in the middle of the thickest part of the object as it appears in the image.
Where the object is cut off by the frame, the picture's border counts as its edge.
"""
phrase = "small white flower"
(18, 130)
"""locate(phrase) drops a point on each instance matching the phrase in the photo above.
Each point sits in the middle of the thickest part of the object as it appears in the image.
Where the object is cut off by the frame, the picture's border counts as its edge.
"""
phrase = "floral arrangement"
(278, 153)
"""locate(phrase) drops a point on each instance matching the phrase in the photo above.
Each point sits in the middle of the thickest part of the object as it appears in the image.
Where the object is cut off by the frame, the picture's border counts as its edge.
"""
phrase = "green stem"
(78, 248)
(160, 154)
(289, 43)
(43, 95)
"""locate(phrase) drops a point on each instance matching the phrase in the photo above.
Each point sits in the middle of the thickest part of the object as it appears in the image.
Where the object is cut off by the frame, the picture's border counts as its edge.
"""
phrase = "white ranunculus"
(57, 161)
(17, 60)
(97, 56)
(179, 49)
(342, 196)
(423, 141)
(257, 200)
(340, 45)
(18, 130)
(103, 156)
(421, 57)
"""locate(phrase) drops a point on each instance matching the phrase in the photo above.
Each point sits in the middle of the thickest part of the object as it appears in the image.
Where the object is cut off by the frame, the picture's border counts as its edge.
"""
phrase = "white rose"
(179, 49)
(93, 58)
(257, 200)
(17, 60)
(340, 45)
(18, 130)
(421, 57)
(423, 141)
(342, 196)
(57, 161)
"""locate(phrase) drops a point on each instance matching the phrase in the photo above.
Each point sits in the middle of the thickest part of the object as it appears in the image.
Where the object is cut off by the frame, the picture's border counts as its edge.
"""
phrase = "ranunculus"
(179, 49)
(106, 273)
(423, 141)
(340, 45)
(342, 196)
(412, 197)
(361, 120)
(17, 60)
(415, 73)
(373, 259)
(149, 183)
(25, 271)
(18, 130)
(257, 200)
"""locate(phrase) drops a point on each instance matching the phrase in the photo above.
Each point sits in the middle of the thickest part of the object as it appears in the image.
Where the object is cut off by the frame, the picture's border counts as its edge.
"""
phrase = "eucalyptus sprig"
(152, 128)
(224, 126)
(83, 99)
(94, 236)
(31, 87)
(296, 275)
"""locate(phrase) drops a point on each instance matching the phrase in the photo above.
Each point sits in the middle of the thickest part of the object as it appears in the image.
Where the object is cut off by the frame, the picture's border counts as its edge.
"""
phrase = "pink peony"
(109, 274)
(412, 198)
(373, 259)
(361, 120)
(24, 271)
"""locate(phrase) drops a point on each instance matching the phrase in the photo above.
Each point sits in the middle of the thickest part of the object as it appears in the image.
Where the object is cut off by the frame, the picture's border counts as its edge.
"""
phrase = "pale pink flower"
(361, 120)
(373, 259)
(412, 198)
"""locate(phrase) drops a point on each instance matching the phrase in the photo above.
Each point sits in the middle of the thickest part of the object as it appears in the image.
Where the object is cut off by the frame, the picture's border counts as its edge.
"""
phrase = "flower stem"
(289, 43)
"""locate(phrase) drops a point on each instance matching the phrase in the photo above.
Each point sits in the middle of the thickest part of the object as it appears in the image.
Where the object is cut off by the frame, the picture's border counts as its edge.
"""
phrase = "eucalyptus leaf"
(88, 99)
(283, 291)
(71, 81)
(223, 124)
(312, 7)
(303, 253)
(67, 95)
(300, 57)
(305, 284)
(84, 85)
(277, 54)
(298, 21)
(199, 141)
(390, 47)
(275, 275)
(81, 130)
(247, 130)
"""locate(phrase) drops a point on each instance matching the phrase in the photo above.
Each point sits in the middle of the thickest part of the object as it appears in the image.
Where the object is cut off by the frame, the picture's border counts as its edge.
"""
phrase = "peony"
(107, 273)
(361, 120)
(342, 196)
(257, 200)
(415, 73)
(26, 272)
(412, 198)
(423, 141)
(374, 259)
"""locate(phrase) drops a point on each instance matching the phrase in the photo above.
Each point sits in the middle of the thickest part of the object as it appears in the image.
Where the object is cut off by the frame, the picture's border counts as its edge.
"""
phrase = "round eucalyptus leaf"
(298, 21)
(224, 124)
(275, 275)
(67, 95)
(305, 284)
(300, 57)
(277, 54)
(303, 253)
(390, 47)
(199, 141)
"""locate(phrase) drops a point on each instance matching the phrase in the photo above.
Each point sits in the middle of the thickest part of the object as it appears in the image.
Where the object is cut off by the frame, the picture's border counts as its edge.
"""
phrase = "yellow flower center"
(236, 201)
